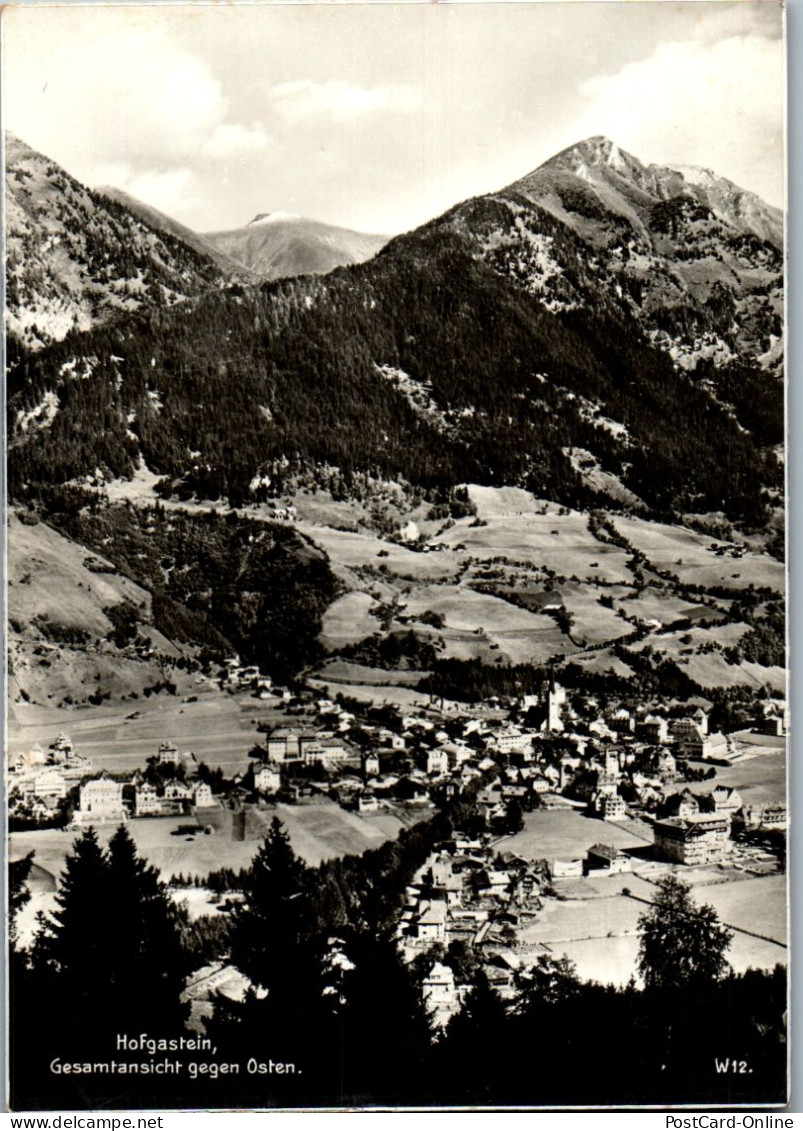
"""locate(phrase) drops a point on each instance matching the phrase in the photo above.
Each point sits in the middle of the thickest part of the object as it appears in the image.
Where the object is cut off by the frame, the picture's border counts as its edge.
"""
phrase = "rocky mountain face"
(694, 259)
(599, 331)
(280, 245)
(76, 258)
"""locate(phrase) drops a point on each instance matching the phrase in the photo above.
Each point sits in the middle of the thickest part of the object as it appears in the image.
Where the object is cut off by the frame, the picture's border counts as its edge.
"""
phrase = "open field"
(601, 935)
(464, 608)
(219, 729)
(479, 624)
(548, 834)
(379, 694)
(319, 831)
(688, 556)
(654, 604)
(754, 905)
(345, 671)
(349, 549)
(348, 620)
(495, 502)
(49, 580)
(760, 780)
(604, 660)
(561, 543)
(713, 670)
(674, 643)
(593, 623)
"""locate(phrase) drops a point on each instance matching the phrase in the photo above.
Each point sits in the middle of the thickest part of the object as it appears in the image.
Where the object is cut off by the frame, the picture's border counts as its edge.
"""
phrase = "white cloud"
(231, 139)
(304, 98)
(718, 105)
(102, 90)
(165, 191)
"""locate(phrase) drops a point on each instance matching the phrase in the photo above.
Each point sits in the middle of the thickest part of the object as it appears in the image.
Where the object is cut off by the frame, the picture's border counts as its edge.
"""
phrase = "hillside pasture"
(49, 579)
(689, 558)
(346, 671)
(558, 542)
(348, 620)
(352, 550)
(603, 660)
(389, 694)
(593, 623)
(215, 728)
(496, 502)
(655, 604)
(322, 832)
(466, 609)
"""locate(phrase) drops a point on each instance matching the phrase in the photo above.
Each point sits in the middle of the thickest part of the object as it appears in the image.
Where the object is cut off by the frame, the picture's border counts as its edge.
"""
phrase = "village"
(576, 802)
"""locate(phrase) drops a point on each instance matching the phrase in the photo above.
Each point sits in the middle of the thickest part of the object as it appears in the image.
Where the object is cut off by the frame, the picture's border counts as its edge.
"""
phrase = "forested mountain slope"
(76, 258)
(490, 346)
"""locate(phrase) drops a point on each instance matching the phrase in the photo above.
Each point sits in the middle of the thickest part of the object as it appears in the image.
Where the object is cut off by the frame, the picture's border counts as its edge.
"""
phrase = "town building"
(100, 800)
(203, 797)
(562, 869)
(607, 858)
(168, 754)
(701, 839)
(267, 780)
(441, 995)
(370, 765)
(611, 807)
(367, 801)
(437, 761)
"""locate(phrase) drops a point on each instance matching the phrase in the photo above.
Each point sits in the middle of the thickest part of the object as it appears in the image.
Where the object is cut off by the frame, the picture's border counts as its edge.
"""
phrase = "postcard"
(396, 625)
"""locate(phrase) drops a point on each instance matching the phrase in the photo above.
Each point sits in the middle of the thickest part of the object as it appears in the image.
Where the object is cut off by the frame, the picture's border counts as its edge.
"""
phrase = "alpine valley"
(394, 596)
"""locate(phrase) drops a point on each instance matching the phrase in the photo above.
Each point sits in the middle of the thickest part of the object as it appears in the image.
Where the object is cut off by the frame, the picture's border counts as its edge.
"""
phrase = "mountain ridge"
(75, 258)
(509, 341)
(281, 244)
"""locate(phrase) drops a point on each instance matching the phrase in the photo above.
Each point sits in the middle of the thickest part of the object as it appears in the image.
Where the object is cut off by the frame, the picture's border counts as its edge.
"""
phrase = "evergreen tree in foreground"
(683, 943)
(150, 964)
(110, 956)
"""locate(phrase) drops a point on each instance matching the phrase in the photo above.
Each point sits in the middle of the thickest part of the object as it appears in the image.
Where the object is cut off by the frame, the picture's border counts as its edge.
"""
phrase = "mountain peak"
(594, 152)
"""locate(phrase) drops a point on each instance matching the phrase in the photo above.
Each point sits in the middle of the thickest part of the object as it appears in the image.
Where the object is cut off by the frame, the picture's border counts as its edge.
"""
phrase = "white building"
(267, 780)
(437, 761)
(101, 800)
(203, 797)
(441, 995)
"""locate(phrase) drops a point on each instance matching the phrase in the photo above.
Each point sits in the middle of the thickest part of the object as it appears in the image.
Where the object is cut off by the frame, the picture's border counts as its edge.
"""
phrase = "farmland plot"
(689, 556)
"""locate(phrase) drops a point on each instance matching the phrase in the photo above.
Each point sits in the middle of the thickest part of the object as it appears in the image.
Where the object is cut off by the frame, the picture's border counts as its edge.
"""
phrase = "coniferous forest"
(289, 375)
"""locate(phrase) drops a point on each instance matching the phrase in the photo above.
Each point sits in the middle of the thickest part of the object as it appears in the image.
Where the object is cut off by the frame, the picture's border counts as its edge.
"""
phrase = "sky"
(379, 116)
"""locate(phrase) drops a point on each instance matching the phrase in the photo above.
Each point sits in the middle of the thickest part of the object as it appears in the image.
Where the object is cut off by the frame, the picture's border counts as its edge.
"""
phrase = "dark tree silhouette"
(274, 918)
(18, 894)
(150, 961)
(682, 942)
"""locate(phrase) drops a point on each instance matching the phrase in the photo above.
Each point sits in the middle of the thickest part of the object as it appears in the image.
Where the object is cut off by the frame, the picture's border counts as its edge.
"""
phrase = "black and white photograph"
(396, 645)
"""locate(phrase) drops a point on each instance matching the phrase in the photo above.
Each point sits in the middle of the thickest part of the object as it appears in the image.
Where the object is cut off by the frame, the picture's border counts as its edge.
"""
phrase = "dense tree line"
(224, 583)
(471, 681)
